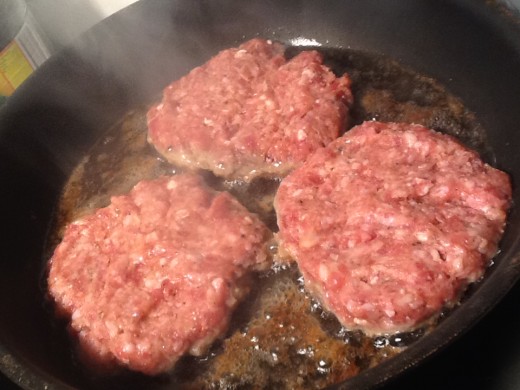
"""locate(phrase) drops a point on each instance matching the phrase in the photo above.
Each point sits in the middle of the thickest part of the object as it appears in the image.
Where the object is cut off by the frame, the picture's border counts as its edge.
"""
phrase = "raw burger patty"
(249, 112)
(155, 274)
(390, 222)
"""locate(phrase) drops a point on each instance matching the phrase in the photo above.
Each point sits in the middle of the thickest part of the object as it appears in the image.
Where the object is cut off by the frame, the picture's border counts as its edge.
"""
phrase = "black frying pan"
(469, 46)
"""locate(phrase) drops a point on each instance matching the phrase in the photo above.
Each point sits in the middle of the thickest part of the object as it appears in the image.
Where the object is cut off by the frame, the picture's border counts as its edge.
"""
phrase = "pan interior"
(280, 337)
(50, 124)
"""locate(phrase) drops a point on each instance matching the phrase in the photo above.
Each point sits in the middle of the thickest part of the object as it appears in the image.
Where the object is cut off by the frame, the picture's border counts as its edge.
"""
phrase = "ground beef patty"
(155, 274)
(390, 222)
(249, 112)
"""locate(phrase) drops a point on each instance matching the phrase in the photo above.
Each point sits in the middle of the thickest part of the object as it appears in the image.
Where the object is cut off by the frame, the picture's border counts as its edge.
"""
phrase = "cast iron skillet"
(51, 121)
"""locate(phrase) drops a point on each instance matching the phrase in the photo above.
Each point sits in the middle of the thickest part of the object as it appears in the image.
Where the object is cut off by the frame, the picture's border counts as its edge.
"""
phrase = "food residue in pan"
(280, 337)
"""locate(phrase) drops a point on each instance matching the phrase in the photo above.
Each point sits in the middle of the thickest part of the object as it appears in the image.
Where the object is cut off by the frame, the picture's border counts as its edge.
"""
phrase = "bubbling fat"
(279, 337)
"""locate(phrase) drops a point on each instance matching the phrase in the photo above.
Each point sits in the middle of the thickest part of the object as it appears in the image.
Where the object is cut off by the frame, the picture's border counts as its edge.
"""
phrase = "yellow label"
(14, 68)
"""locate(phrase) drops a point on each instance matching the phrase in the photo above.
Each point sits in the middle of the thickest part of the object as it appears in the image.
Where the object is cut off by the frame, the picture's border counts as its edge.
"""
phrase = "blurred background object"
(23, 46)
(32, 30)
(64, 20)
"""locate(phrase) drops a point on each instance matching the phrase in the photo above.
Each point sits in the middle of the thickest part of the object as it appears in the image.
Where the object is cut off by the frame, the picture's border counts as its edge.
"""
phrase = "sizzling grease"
(280, 337)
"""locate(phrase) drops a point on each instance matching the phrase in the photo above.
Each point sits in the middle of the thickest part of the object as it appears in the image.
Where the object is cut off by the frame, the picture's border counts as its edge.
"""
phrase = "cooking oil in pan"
(280, 337)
